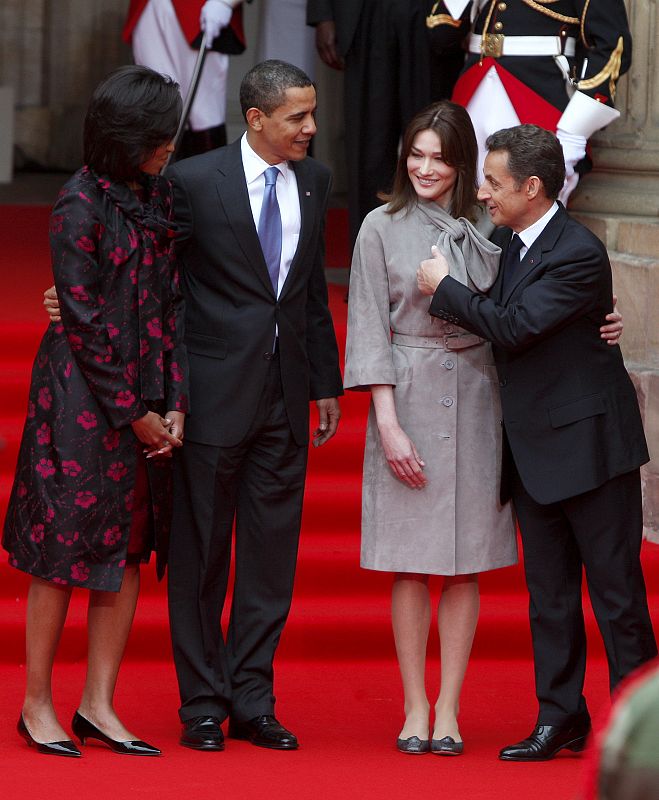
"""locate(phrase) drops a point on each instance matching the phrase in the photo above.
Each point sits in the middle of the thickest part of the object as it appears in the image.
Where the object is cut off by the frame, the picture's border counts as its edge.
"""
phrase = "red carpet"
(337, 681)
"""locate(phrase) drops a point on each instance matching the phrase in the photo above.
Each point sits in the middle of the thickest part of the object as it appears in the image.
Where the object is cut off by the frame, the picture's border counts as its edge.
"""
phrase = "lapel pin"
(308, 194)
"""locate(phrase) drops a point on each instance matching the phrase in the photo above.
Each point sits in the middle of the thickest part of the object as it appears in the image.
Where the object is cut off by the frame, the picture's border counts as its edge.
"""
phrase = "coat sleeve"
(319, 11)
(569, 289)
(369, 359)
(607, 47)
(322, 349)
(75, 236)
(176, 358)
(448, 24)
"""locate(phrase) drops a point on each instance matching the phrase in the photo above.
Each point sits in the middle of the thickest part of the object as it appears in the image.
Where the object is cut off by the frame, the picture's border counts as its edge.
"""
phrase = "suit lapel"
(533, 258)
(232, 192)
(308, 202)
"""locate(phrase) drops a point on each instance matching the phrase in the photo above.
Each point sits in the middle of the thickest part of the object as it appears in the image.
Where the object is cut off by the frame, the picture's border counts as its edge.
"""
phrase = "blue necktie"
(270, 226)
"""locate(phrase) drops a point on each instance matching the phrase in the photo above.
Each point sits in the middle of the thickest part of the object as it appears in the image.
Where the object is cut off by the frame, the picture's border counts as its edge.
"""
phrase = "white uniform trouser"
(284, 34)
(158, 42)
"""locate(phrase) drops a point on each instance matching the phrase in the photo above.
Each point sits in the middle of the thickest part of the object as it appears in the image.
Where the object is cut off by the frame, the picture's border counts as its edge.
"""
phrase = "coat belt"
(525, 45)
(451, 341)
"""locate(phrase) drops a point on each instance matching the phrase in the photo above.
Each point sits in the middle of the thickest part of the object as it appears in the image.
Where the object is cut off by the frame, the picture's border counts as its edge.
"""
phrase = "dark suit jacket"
(569, 407)
(231, 308)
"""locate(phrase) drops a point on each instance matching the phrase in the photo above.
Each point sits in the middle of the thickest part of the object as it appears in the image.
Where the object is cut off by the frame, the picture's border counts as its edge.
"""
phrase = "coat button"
(502, 6)
(268, 356)
(449, 364)
(503, 382)
(498, 26)
(447, 401)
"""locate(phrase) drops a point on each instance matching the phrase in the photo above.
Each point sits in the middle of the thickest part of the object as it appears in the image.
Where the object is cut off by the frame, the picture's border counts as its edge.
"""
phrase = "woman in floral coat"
(107, 403)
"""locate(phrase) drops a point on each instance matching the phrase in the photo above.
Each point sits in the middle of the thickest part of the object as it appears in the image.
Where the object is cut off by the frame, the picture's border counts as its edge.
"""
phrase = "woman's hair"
(452, 125)
(132, 112)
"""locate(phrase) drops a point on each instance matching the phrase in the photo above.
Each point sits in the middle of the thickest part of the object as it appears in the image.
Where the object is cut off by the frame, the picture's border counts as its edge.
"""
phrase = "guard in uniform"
(166, 34)
(553, 63)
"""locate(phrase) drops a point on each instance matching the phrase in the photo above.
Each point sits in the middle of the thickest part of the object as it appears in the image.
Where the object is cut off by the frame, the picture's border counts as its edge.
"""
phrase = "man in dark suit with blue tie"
(573, 438)
(261, 345)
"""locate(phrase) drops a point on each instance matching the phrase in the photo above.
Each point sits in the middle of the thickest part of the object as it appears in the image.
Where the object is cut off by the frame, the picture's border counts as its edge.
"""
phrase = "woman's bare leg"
(457, 618)
(410, 613)
(47, 606)
(109, 619)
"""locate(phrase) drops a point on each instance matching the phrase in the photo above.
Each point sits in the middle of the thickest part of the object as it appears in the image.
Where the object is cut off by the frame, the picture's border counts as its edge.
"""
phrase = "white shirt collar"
(255, 166)
(530, 234)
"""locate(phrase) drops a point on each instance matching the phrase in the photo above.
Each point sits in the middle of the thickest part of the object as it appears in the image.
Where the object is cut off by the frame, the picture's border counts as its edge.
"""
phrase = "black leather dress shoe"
(202, 733)
(64, 748)
(413, 746)
(546, 741)
(264, 731)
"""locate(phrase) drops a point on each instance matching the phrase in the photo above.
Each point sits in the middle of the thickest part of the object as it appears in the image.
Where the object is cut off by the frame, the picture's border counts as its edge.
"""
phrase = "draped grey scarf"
(473, 259)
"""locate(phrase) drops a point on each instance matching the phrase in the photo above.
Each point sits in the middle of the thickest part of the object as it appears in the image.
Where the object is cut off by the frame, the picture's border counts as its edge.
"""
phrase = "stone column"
(53, 54)
(619, 201)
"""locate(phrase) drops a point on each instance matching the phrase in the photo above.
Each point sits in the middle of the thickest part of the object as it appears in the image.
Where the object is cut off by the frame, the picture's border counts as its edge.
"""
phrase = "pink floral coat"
(116, 354)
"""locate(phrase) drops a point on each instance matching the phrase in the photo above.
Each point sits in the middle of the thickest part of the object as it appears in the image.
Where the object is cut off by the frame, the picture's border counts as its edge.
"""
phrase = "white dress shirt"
(287, 197)
(530, 234)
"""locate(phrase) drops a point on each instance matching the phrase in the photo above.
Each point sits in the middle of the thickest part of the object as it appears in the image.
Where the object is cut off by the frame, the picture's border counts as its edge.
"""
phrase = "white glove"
(215, 15)
(574, 149)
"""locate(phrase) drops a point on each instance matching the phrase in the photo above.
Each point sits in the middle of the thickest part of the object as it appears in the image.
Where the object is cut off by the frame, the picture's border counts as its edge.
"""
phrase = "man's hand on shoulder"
(612, 332)
(329, 414)
(51, 304)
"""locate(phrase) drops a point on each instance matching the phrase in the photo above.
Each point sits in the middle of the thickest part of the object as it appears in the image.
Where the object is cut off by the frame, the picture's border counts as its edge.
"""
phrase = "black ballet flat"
(447, 746)
(413, 746)
(65, 748)
(84, 730)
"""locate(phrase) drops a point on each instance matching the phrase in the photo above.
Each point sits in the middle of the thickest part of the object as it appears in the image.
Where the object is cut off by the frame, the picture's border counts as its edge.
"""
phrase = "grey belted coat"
(446, 395)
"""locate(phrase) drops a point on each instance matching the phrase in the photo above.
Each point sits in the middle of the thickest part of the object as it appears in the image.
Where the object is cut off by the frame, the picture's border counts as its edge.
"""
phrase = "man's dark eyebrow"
(301, 113)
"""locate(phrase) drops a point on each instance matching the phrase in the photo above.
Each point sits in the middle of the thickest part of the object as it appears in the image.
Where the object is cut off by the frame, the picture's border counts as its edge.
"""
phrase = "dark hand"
(326, 44)
(154, 432)
(329, 414)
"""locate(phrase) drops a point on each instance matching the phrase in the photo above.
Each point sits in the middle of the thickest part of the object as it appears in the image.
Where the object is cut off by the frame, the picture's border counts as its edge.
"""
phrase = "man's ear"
(534, 187)
(254, 118)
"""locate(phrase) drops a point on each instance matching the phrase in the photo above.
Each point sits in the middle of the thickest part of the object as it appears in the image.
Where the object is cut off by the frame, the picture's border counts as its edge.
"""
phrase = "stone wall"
(619, 201)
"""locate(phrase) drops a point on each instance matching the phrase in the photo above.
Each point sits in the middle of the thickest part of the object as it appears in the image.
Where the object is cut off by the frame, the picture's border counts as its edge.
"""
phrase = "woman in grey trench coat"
(430, 487)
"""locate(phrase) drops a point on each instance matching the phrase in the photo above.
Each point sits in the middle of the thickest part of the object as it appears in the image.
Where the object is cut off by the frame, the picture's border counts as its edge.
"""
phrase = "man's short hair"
(265, 85)
(531, 151)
